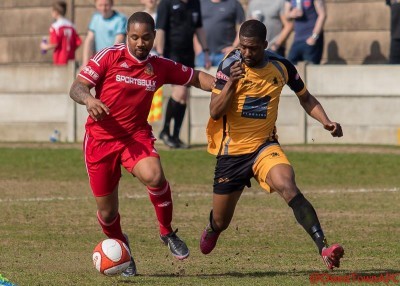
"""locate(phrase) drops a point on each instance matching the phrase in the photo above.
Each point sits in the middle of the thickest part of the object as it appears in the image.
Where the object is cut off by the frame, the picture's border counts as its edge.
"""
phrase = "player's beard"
(140, 54)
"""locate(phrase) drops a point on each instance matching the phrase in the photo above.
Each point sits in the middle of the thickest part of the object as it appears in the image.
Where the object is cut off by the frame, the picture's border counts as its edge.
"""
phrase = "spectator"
(272, 14)
(177, 23)
(394, 54)
(106, 28)
(220, 20)
(150, 6)
(309, 18)
(241, 133)
(125, 77)
(63, 38)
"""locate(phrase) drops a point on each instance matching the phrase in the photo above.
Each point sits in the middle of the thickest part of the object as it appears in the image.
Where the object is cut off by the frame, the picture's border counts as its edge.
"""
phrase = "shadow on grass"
(259, 274)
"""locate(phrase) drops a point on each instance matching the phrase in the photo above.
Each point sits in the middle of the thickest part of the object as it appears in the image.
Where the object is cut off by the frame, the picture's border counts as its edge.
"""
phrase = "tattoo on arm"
(79, 92)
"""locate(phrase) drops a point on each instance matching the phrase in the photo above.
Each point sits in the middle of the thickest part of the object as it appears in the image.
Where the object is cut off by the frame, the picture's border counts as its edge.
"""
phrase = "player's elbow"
(214, 114)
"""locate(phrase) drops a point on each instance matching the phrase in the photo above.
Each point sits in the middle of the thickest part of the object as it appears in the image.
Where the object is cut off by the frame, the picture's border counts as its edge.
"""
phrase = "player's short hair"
(253, 29)
(141, 17)
(60, 7)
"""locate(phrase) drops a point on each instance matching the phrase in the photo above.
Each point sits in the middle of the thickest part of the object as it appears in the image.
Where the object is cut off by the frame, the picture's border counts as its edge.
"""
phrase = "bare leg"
(223, 210)
(220, 218)
(281, 178)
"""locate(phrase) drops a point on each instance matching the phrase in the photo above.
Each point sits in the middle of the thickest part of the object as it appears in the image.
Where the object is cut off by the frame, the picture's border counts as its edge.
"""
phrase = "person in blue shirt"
(309, 18)
(106, 28)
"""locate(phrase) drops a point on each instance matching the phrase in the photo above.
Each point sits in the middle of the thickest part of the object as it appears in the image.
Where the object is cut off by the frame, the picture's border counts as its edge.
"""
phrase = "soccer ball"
(111, 257)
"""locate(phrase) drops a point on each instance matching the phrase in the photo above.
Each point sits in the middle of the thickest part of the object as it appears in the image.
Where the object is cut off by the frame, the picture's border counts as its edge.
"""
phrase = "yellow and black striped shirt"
(250, 120)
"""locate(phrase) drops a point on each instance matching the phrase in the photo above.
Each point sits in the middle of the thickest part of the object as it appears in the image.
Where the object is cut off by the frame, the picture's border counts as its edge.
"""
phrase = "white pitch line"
(191, 194)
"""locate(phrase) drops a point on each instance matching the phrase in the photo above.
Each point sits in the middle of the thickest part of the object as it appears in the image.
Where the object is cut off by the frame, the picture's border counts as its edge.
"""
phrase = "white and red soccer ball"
(111, 257)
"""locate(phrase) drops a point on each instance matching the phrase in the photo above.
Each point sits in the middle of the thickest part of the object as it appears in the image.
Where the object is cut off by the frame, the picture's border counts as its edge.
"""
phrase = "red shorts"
(103, 158)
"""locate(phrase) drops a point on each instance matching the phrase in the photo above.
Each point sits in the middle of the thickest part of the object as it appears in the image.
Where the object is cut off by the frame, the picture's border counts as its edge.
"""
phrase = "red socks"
(162, 202)
(112, 229)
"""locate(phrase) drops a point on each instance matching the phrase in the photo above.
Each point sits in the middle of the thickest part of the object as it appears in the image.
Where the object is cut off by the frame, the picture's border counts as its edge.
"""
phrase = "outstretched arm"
(80, 93)
(202, 80)
(312, 106)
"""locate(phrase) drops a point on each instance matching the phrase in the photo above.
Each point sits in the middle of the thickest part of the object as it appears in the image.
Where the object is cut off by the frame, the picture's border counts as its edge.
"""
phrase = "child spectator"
(63, 38)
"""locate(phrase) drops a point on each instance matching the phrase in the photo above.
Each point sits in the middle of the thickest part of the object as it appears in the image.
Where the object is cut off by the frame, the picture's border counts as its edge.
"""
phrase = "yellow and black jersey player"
(250, 120)
(242, 134)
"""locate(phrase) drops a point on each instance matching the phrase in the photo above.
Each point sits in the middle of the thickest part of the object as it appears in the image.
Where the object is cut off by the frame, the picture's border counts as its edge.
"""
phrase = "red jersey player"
(125, 78)
(63, 37)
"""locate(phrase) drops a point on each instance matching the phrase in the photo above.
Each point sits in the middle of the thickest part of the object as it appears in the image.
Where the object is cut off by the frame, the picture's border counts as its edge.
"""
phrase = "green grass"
(51, 242)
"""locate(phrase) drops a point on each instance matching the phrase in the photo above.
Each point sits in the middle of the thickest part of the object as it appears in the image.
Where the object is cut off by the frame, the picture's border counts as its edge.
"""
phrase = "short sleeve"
(97, 66)
(294, 80)
(176, 72)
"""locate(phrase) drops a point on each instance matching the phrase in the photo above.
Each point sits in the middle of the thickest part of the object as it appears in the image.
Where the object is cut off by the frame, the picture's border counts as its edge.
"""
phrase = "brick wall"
(356, 31)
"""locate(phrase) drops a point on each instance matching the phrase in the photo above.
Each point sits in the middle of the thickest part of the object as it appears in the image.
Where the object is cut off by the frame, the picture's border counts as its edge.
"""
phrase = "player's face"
(140, 39)
(252, 50)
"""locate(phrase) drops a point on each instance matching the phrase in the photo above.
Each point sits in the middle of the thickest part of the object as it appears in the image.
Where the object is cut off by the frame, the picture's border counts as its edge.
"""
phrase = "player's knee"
(153, 179)
(108, 215)
(288, 190)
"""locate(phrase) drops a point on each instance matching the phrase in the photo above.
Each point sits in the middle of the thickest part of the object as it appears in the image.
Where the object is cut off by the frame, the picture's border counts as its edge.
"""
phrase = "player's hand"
(96, 109)
(237, 72)
(334, 128)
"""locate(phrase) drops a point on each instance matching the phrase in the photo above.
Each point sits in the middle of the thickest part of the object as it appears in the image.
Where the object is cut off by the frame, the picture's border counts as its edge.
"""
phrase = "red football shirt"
(63, 34)
(127, 85)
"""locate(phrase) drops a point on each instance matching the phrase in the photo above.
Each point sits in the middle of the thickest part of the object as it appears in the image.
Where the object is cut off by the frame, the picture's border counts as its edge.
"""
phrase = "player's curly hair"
(141, 17)
(253, 29)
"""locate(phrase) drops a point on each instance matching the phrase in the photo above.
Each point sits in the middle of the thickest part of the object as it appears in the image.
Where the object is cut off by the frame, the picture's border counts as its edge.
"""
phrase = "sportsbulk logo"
(149, 84)
(5, 282)
(89, 71)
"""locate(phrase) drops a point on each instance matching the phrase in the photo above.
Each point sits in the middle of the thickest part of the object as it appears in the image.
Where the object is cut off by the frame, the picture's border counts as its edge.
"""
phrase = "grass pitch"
(49, 227)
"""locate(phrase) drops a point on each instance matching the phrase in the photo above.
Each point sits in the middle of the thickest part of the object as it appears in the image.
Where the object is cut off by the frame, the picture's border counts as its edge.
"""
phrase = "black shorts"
(185, 58)
(233, 172)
